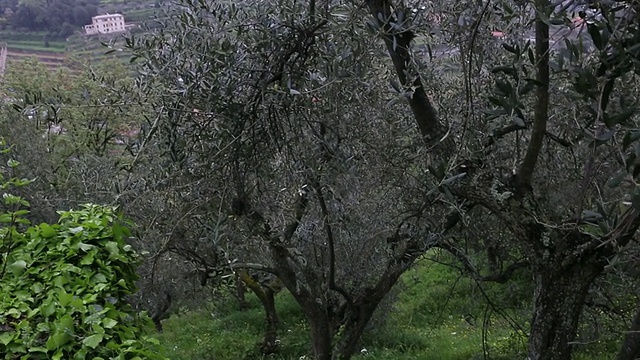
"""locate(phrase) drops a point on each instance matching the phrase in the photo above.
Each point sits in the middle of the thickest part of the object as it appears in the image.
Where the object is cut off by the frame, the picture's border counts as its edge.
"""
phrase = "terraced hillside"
(78, 47)
(51, 59)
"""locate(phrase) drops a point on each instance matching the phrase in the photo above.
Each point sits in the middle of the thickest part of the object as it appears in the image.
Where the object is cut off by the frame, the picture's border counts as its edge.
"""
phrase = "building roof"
(106, 16)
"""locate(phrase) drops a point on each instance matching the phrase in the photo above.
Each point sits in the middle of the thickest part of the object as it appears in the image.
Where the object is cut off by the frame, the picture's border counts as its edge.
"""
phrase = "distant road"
(3, 58)
(557, 35)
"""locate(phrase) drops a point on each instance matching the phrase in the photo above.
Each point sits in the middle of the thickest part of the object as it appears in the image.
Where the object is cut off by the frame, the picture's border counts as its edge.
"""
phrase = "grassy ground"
(39, 46)
(437, 314)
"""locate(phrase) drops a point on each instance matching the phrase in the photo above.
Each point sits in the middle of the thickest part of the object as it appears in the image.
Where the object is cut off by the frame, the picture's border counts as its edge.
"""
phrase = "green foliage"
(62, 296)
(74, 109)
(56, 17)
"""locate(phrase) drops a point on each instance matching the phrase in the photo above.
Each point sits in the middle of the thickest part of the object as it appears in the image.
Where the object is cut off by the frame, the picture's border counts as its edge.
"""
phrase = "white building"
(106, 24)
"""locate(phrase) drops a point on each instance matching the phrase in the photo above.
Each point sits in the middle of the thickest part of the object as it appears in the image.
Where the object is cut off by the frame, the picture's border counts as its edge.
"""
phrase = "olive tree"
(568, 109)
(281, 115)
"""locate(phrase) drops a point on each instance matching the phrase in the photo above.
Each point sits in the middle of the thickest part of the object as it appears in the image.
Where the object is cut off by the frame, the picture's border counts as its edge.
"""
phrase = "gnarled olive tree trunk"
(630, 349)
(337, 326)
(559, 298)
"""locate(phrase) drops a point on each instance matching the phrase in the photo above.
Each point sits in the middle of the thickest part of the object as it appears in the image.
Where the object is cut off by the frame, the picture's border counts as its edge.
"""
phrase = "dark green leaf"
(635, 199)
(619, 118)
(606, 135)
(594, 32)
(510, 48)
(518, 121)
(617, 179)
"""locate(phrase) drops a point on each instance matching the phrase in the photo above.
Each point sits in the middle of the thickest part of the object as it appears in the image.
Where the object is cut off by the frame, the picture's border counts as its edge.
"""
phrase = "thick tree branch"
(525, 172)
(397, 39)
(252, 266)
(280, 253)
(455, 217)
(608, 245)
(500, 133)
(299, 211)
(500, 278)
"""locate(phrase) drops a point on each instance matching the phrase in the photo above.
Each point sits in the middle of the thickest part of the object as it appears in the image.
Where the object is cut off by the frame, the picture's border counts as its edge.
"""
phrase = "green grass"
(426, 322)
(54, 47)
(437, 315)
(9, 35)
(139, 15)
(226, 333)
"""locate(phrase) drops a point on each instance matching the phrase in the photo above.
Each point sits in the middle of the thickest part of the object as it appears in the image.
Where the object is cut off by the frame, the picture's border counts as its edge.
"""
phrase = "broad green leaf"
(57, 340)
(112, 247)
(93, 341)
(85, 247)
(64, 298)
(47, 231)
(99, 278)
(96, 328)
(76, 230)
(108, 323)
(88, 259)
(18, 267)
(49, 309)
(152, 340)
(38, 349)
(7, 337)
(13, 312)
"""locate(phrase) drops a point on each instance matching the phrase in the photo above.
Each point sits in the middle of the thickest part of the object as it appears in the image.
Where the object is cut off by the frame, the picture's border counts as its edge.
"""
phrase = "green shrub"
(62, 290)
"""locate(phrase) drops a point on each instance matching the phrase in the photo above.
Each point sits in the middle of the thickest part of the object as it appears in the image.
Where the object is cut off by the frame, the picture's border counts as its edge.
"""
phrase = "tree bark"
(321, 334)
(398, 43)
(631, 345)
(353, 330)
(266, 296)
(161, 312)
(361, 311)
(270, 341)
(240, 293)
(560, 295)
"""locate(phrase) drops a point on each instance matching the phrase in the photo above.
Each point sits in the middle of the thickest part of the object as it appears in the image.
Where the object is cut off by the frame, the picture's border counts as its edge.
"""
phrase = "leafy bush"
(61, 296)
